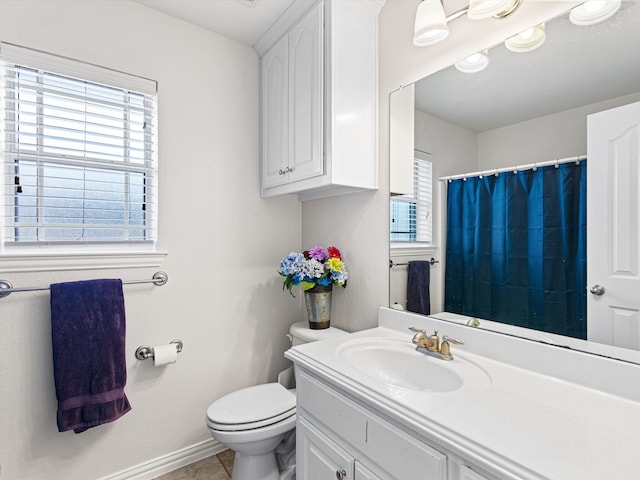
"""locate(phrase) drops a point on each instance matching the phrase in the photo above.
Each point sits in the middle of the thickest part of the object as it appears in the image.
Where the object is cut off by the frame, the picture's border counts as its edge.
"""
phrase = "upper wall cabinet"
(319, 94)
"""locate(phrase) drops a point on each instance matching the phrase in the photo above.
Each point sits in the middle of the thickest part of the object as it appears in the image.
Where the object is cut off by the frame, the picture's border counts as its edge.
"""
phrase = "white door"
(613, 239)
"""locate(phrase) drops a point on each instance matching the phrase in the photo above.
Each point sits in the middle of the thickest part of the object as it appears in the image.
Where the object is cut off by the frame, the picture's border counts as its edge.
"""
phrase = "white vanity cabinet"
(319, 99)
(338, 438)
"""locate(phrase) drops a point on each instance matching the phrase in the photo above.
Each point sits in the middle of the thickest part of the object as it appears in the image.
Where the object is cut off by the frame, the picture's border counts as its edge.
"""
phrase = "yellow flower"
(335, 264)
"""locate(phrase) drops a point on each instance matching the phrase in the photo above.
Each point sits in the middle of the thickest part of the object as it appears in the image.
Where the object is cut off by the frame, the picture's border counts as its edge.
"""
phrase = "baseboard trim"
(168, 463)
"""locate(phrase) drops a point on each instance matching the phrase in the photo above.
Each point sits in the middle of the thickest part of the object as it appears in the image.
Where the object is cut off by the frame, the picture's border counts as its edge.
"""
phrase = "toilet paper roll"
(165, 354)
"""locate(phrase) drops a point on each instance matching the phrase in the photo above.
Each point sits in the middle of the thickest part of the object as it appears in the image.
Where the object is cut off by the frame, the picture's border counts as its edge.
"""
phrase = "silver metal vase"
(318, 302)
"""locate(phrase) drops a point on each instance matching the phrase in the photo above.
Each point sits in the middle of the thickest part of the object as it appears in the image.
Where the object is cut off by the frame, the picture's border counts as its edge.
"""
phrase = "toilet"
(259, 421)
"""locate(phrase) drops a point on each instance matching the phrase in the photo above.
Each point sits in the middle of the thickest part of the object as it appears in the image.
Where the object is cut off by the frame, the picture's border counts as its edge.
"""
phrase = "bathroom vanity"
(371, 407)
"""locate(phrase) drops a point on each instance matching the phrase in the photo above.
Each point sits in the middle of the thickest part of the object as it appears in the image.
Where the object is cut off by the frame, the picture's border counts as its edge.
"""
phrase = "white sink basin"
(396, 363)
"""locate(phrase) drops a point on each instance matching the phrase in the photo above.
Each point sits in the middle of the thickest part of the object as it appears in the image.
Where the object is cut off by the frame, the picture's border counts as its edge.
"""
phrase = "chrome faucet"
(432, 345)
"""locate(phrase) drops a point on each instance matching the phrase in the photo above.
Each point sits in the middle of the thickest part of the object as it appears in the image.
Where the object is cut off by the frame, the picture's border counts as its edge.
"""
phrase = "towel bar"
(6, 288)
(145, 351)
(392, 264)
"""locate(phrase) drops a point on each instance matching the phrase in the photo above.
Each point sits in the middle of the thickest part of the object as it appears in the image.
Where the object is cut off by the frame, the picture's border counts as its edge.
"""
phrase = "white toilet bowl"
(253, 421)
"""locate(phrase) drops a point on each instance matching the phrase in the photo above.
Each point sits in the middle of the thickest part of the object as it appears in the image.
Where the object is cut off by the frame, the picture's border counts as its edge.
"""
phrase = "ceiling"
(576, 66)
(242, 20)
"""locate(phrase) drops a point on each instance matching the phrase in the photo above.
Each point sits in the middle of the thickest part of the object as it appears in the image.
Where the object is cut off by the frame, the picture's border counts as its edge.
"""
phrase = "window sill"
(412, 248)
(58, 261)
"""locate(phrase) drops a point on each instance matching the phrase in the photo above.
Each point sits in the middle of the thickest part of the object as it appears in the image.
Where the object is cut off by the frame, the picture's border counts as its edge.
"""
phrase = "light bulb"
(594, 5)
(594, 11)
(474, 63)
(528, 40)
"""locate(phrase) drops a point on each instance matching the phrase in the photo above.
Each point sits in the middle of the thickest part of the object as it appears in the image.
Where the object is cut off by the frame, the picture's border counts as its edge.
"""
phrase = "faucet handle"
(417, 330)
(451, 340)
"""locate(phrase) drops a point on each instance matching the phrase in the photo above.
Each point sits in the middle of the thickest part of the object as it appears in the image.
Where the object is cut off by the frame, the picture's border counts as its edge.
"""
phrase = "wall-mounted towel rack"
(392, 264)
(6, 288)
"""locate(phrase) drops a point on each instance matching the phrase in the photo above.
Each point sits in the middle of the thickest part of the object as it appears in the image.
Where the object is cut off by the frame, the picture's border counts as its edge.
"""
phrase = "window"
(78, 154)
(411, 218)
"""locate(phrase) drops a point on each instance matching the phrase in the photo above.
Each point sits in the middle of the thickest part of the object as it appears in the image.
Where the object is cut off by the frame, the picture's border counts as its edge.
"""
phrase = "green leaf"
(307, 285)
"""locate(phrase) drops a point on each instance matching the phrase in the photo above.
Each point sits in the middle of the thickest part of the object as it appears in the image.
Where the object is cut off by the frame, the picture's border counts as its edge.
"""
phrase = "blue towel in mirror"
(89, 365)
(418, 277)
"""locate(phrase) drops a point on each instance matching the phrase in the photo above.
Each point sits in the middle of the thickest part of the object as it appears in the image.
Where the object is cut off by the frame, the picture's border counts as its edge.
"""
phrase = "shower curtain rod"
(515, 169)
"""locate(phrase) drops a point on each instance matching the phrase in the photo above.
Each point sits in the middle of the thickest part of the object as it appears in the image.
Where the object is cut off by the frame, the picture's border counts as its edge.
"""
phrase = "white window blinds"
(78, 152)
(411, 218)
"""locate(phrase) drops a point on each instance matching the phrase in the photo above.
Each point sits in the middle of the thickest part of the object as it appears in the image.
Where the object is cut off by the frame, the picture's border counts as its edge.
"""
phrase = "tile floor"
(217, 467)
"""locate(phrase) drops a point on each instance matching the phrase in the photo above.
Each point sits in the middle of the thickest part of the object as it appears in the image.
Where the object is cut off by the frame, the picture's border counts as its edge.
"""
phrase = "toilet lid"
(252, 407)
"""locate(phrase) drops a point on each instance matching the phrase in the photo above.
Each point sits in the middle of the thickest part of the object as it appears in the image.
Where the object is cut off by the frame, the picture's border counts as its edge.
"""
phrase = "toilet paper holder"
(145, 351)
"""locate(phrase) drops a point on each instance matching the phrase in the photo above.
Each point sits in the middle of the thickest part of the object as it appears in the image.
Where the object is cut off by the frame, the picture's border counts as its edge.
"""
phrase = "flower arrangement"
(313, 267)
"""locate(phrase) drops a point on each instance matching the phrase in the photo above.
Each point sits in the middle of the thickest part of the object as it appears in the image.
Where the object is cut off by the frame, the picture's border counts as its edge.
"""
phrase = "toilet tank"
(300, 333)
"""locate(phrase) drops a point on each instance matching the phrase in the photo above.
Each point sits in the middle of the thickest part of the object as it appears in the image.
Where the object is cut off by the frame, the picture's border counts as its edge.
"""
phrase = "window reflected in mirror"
(411, 215)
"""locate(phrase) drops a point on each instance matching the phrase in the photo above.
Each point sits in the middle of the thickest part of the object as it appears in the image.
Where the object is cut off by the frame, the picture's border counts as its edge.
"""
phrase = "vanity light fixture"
(474, 63)
(528, 40)
(431, 24)
(479, 9)
(594, 11)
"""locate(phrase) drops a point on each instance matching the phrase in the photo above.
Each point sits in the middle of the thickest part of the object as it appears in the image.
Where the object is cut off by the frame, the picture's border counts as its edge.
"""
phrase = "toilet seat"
(252, 407)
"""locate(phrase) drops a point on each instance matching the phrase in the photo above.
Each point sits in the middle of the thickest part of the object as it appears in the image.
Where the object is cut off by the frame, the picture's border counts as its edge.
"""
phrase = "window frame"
(419, 184)
(61, 255)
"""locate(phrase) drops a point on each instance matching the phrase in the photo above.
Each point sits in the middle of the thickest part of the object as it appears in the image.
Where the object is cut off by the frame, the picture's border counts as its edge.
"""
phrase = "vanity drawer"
(397, 452)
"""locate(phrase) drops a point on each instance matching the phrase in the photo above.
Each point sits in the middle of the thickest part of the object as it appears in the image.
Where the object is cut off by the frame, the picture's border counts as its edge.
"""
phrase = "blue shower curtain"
(516, 248)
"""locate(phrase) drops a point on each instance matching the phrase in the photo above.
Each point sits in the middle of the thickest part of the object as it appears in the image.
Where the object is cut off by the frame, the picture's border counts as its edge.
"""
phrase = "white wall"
(560, 135)
(224, 298)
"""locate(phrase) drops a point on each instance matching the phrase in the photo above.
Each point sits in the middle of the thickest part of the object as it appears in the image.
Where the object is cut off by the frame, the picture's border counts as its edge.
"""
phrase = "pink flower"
(318, 253)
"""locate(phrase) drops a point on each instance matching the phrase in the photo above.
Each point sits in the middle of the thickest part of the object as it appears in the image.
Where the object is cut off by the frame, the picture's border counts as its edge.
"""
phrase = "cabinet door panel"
(318, 458)
(467, 474)
(363, 473)
(305, 96)
(275, 148)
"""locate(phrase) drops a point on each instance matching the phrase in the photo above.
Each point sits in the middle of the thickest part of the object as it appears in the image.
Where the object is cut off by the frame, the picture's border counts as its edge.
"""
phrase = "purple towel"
(88, 334)
(418, 296)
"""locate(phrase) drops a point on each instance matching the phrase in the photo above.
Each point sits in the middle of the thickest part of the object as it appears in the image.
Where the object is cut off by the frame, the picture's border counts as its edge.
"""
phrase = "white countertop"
(523, 423)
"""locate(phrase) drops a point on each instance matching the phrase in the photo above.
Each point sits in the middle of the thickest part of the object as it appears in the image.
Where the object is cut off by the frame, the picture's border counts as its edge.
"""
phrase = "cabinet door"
(363, 473)
(306, 96)
(467, 474)
(317, 457)
(275, 101)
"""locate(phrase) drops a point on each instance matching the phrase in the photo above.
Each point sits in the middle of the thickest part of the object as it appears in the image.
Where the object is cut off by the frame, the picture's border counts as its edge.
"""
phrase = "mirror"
(577, 71)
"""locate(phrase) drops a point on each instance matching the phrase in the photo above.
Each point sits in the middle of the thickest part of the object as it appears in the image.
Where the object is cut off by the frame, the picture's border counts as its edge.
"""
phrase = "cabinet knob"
(341, 474)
